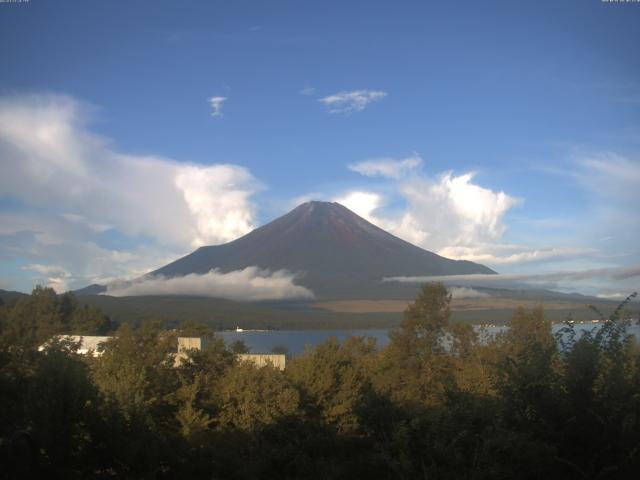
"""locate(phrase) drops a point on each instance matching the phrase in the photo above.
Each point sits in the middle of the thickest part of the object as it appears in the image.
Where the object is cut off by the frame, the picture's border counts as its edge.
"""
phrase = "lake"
(263, 341)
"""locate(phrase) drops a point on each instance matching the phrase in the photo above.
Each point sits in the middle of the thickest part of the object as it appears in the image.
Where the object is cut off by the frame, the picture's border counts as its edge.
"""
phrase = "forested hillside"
(523, 405)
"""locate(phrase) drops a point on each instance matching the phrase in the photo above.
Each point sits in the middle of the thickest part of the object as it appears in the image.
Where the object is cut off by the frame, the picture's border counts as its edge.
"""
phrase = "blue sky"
(503, 132)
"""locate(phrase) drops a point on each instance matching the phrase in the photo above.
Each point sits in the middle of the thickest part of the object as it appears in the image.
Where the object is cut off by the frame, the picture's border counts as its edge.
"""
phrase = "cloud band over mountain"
(249, 284)
(612, 273)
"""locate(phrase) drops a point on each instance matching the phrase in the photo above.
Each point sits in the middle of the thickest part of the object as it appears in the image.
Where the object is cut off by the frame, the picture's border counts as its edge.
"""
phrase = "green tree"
(193, 419)
(239, 346)
(415, 366)
(335, 379)
(472, 360)
(280, 350)
(253, 397)
(48, 398)
(137, 378)
(35, 318)
(89, 320)
(136, 371)
(192, 328)
(199, 396)
(602, 380)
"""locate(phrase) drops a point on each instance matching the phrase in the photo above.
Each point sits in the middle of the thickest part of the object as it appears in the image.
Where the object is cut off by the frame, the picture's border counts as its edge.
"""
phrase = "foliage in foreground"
(435, 403)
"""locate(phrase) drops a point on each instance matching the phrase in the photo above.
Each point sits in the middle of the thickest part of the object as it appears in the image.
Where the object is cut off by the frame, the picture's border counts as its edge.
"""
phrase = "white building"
(94, 345)
(263, 359)
(87, 344)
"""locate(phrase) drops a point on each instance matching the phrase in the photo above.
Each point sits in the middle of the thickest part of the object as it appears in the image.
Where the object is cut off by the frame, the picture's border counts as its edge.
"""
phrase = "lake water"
(263, 341)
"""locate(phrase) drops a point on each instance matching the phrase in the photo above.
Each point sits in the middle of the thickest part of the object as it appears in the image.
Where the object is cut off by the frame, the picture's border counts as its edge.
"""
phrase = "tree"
(136, 375)
(335, 379)
(192, 328)
(238, 346)
(89, 320)
(280, 350)
(414, 366)
(201, 375)
(35, 318)
(253, 397)
(136, 371)
(602, 380)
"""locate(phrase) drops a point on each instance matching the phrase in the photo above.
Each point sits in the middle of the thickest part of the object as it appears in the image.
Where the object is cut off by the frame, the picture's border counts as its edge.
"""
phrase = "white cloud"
(216, 105)
(611, 273)
(47, 239)
(387, 167)
(353, 101)
(307, 91)
(51, 161)
(307, 197)
(612, 296)
(362, 203)
(612, 198)
(74, 186)
(213, 195)
(96, 227)
(499, 254)
(465, 292)
(455, 211)
(53, 276)
(453, 216)
(457, 217)
(449, 215)
(611, 176)
(594, 279)
(45, 269)
(608, 201)
(249, 284)
(369, 205)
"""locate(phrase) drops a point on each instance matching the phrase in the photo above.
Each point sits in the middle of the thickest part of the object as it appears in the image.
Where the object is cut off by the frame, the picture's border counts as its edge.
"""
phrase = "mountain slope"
(8, 297)
(337, 254)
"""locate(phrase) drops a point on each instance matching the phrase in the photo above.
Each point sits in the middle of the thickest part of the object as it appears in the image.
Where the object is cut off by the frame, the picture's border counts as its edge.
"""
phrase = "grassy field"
(475, 310)
(389, 306)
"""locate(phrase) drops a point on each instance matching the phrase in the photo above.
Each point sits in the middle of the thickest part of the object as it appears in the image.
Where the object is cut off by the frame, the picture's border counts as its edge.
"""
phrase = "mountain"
(93, 289)
(337, 253)
(8, 297)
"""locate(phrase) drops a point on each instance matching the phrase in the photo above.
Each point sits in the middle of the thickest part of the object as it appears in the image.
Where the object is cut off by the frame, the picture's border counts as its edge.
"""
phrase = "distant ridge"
(337, 254)
(9, 296)
(93, 289)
